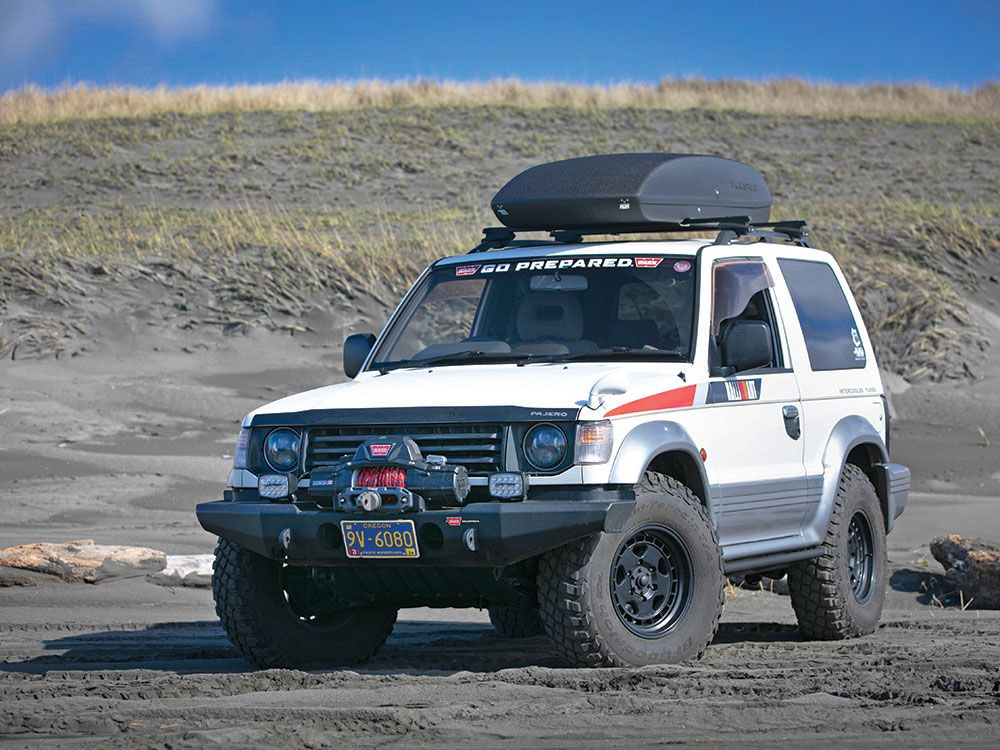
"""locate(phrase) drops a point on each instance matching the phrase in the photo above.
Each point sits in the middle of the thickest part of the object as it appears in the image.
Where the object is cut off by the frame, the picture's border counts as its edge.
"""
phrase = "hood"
(556, 385)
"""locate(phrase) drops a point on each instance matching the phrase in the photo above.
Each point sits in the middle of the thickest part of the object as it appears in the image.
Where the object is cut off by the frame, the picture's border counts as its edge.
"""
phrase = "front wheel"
(840, 594)
(652, 594)
(277, 616)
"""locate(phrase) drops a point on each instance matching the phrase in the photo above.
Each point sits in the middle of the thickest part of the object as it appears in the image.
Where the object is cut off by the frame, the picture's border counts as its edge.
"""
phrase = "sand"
(119, 443)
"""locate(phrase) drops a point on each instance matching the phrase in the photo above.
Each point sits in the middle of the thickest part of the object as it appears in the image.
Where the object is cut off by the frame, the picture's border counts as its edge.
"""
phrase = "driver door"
(749, 426)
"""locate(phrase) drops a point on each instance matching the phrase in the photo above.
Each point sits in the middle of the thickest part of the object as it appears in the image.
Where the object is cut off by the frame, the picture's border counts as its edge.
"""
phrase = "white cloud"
(170, 19)
(30, 29)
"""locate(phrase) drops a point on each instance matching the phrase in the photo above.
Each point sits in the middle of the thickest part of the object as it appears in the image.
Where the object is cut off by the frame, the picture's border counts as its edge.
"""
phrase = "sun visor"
(631, 190)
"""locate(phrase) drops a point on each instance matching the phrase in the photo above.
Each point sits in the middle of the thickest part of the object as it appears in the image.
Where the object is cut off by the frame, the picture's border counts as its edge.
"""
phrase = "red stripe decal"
(674, 399)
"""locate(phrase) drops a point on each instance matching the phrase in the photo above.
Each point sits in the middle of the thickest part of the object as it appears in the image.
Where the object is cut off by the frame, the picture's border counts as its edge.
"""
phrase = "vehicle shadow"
(757, 632)
(168, 646)
(415, 647)
(930, 588)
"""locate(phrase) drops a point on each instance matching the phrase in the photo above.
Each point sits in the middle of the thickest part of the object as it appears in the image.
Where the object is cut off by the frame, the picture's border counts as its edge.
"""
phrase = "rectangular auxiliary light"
(508, 485)
(273, 486)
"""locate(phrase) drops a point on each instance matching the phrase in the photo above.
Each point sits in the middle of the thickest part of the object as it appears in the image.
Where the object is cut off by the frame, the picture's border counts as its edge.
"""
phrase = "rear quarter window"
(833, 339)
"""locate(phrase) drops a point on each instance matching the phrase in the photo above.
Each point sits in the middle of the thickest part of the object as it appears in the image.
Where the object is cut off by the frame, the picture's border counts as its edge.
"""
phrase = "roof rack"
(730, 228)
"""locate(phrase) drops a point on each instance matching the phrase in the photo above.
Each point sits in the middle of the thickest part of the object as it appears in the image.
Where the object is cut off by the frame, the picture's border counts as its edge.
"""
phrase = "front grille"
(477, 447)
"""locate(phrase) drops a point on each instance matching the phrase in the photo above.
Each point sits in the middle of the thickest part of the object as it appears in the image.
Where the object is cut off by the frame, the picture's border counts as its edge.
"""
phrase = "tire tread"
(241, 614)
(516, 622)
(563, 599)
(817, 593)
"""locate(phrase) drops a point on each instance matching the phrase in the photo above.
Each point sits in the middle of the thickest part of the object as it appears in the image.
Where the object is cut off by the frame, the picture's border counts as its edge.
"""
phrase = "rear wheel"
(840, 594)
(277, 616)
(649, 595)
(514, 622)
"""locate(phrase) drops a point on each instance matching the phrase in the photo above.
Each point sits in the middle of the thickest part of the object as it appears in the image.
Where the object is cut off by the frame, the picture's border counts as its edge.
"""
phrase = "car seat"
(551, 323)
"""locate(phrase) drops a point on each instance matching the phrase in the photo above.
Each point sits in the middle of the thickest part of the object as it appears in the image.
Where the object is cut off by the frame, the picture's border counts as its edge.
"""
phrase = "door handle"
(790, 414)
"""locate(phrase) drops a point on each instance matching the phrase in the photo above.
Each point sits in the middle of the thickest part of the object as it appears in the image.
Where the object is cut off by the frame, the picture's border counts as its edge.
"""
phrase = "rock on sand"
(81, 560)
(972, 566)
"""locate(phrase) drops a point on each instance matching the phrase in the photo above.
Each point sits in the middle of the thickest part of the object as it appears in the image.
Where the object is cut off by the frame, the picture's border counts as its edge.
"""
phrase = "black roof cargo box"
(630, 191)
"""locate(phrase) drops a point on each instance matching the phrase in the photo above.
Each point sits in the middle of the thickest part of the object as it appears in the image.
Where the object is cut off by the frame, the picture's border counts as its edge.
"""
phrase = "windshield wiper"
(453, 357)
(622, 352)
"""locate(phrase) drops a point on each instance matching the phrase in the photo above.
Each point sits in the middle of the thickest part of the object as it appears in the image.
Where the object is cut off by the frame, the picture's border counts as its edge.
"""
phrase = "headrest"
(550, 315)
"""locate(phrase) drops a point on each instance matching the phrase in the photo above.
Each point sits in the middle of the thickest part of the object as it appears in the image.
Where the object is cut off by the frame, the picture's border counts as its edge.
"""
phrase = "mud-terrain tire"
(651, 594)
(262, 623)
(840, 594)
(515, 622)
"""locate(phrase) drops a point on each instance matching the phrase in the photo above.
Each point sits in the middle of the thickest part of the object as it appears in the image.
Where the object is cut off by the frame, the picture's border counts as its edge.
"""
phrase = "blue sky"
(186, 42)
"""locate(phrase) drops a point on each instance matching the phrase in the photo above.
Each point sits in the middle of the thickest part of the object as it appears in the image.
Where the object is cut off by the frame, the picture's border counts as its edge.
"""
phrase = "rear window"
(833, 340)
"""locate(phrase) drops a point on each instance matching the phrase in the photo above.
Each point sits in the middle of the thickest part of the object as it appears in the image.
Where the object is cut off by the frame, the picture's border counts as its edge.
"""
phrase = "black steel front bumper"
(501, 533)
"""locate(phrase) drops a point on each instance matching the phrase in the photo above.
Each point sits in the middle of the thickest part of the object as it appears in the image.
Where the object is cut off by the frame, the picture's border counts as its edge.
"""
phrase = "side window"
(644, 318)
(829, 328)
(744, 333)
(445, 316)
(636, 300)
(760, 308)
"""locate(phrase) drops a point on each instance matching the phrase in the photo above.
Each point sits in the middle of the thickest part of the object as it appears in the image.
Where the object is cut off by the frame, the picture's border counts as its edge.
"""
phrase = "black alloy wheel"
(651, 581)
(651, 593)
(860, 556)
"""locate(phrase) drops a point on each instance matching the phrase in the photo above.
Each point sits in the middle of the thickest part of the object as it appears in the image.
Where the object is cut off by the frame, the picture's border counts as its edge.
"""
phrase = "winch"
(389, 474)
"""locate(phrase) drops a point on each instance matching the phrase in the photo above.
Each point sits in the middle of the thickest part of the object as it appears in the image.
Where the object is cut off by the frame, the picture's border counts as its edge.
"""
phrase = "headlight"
(545, 446)
(281, 450)
(593, 442)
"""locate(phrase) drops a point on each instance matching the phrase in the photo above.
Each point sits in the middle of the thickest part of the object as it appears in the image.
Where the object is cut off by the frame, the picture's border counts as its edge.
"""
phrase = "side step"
(771, 562)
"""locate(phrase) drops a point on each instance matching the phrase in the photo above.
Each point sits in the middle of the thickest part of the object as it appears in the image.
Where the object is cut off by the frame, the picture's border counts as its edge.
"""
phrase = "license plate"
(395, 538)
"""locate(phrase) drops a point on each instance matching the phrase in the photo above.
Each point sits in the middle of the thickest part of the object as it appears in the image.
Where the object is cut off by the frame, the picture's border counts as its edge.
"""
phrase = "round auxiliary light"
(281, 450)
(545, 446)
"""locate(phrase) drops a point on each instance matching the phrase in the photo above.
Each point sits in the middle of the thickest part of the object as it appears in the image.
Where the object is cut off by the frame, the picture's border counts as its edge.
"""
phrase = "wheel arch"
(853, 440)
(665, 447)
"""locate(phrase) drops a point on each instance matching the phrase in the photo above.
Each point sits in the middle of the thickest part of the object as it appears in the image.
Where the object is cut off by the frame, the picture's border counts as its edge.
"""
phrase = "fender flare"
(847, 434)
(647, 441)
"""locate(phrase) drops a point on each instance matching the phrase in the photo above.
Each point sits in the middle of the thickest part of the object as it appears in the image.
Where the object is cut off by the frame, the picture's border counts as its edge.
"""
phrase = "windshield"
(565, 308)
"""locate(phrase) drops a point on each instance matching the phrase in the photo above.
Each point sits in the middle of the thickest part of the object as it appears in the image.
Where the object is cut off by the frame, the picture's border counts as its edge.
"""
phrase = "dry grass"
(913, 309)
(347, 251)
(228, 267)
(781, 96)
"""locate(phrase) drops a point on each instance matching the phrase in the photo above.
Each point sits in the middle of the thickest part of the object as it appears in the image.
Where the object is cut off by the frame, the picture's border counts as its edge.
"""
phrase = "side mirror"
(357, 347)
(746, 344)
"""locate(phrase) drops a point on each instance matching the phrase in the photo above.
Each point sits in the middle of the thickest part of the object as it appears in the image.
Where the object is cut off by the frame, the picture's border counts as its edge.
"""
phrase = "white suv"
(584, 437)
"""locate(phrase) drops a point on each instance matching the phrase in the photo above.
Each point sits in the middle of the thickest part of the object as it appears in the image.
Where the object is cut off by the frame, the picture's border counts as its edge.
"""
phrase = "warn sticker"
(453, 521)
(466, 270)
(380, 450)
(647, 262)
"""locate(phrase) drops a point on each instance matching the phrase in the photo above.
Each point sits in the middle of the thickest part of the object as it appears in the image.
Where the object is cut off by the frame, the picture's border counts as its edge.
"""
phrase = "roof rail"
(787, 231)
(730, 228)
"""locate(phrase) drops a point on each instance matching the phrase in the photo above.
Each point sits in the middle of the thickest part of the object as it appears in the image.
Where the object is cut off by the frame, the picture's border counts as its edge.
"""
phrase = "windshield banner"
(553, 264)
